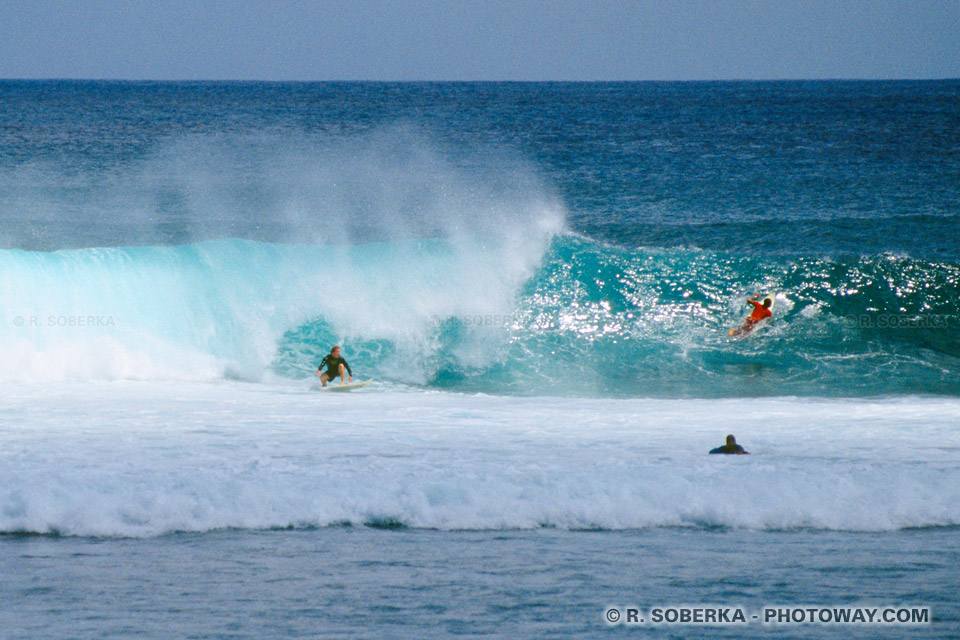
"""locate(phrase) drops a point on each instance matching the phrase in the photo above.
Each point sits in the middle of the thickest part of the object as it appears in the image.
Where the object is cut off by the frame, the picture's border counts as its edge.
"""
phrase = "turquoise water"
(525, 236)
(541, 279)
(589, 319)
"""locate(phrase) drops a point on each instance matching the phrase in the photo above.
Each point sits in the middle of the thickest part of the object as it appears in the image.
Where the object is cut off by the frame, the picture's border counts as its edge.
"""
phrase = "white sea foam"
(142, 459)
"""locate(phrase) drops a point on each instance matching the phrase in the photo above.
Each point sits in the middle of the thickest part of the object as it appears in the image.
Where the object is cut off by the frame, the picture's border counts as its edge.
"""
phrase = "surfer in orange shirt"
(760, 312)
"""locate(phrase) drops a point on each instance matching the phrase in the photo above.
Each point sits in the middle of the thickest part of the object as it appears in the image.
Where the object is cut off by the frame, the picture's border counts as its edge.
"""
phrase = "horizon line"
(472, 81)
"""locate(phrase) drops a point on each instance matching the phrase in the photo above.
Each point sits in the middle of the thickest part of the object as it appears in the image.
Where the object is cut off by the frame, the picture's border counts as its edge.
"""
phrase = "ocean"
(540, 279)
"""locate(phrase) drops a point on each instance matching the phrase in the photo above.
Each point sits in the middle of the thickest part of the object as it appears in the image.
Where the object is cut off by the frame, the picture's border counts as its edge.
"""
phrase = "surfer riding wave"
(336, 367)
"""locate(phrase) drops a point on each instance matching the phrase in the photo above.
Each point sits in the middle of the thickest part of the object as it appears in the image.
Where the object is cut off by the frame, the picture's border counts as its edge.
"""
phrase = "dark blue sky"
(479, 39)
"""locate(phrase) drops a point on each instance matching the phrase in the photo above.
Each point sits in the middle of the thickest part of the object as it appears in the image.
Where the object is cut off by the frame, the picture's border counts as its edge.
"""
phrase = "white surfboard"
(350, 386)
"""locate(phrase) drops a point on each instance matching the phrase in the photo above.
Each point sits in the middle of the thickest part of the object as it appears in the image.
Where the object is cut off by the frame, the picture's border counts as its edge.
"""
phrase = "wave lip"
(528, 312)
(598, 320)
(258, 235)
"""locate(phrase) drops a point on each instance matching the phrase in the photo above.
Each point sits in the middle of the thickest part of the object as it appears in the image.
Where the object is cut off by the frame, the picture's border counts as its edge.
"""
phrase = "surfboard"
(350, 386)
(772, 297)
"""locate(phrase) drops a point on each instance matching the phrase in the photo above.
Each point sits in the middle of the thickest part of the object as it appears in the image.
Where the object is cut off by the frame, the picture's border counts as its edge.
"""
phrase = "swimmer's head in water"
(731, 440)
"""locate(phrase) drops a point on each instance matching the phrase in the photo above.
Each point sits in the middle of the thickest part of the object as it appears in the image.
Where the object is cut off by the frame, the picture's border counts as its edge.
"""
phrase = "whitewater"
(131, 459)
(540, 280)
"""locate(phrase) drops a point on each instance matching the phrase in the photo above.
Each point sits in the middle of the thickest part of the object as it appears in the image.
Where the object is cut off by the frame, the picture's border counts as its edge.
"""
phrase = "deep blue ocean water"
(852, 167)
(540, 278)
(343, 582)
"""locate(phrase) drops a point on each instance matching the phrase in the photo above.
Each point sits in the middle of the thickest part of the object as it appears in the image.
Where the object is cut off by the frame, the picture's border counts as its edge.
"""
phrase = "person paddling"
(730, 448)
(760, 312)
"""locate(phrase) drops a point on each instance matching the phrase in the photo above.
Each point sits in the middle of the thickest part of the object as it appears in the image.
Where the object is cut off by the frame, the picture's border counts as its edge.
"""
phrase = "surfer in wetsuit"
(731, 447)
(336, 366)
(760, 312)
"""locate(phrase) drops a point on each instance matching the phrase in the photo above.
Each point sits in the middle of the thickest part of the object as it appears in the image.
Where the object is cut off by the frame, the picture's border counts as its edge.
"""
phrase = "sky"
(409, 40)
